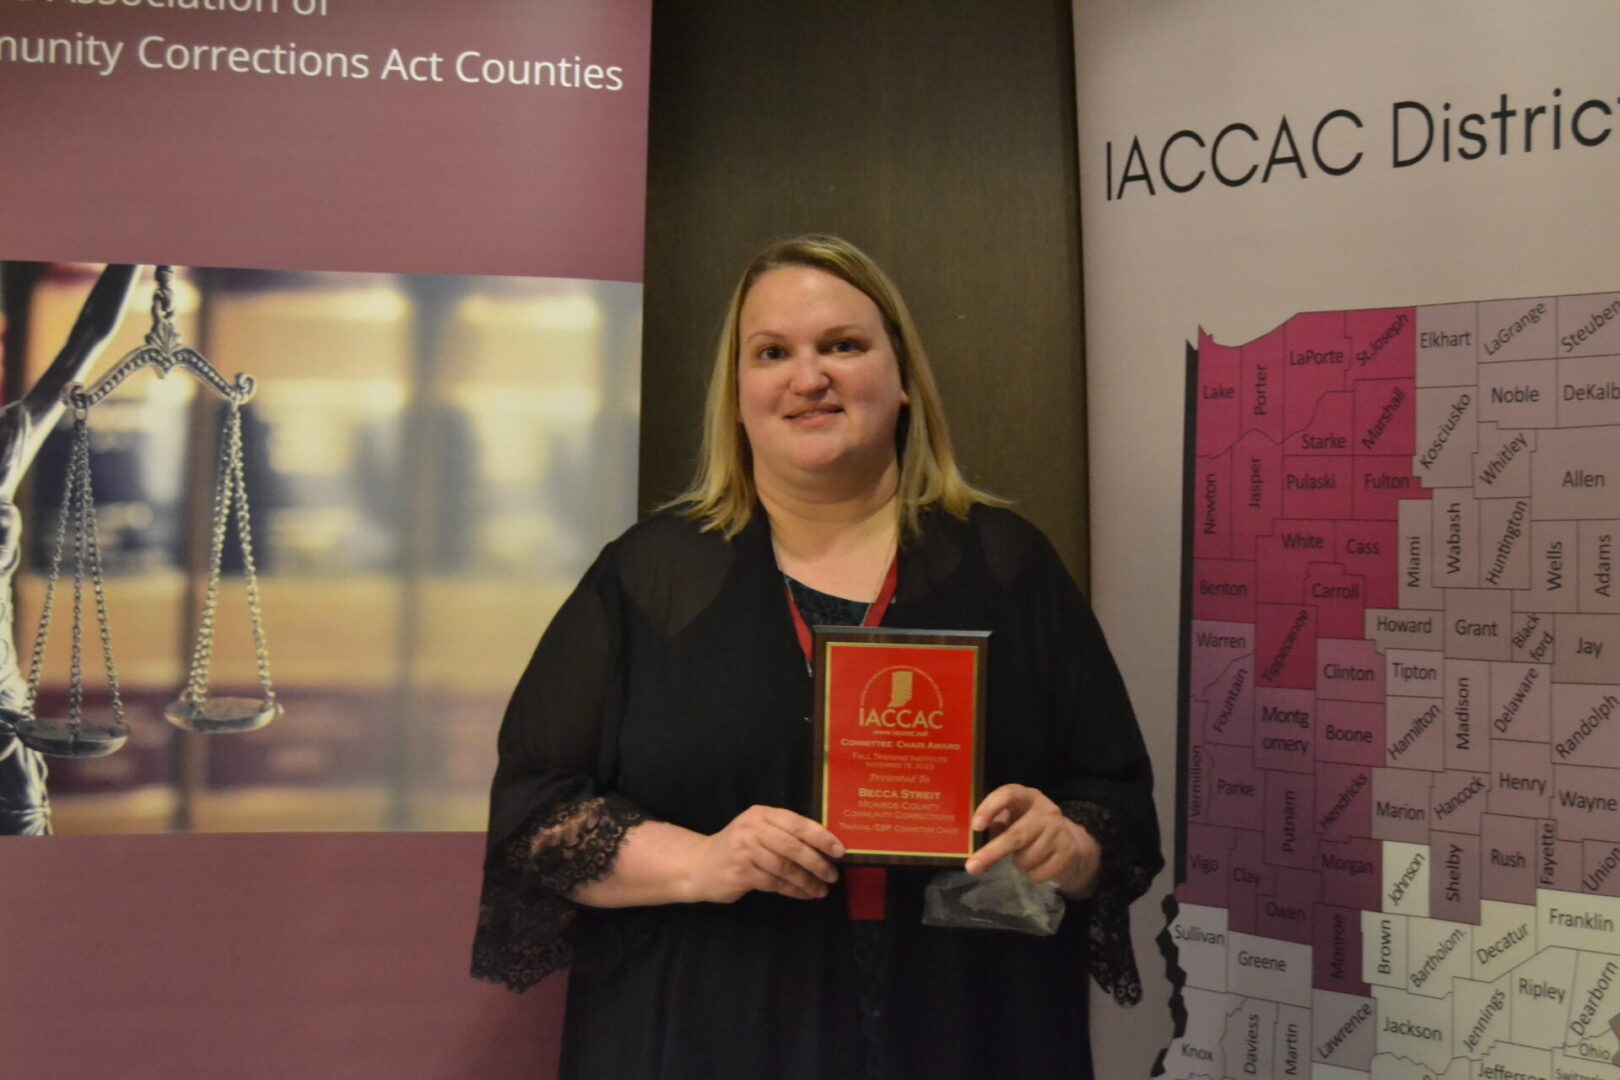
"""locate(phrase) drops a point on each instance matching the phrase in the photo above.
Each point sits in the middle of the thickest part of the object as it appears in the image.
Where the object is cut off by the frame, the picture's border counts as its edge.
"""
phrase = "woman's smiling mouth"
(817, 413)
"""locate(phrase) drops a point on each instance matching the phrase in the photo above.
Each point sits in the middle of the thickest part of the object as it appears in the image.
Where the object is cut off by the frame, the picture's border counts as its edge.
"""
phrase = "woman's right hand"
(764, 848)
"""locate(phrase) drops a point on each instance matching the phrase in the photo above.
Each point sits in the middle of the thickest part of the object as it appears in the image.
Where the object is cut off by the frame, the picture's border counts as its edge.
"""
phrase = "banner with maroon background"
(419, 227)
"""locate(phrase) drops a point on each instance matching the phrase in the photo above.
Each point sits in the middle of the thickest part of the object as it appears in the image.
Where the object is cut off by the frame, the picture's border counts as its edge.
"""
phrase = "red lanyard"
(865, 887)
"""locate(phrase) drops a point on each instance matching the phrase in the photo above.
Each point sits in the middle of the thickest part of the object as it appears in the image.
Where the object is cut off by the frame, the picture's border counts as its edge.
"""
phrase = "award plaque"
(899, 720)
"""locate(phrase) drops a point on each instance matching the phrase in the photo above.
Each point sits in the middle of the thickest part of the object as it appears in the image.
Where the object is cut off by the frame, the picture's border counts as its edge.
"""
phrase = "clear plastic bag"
(1001, 898)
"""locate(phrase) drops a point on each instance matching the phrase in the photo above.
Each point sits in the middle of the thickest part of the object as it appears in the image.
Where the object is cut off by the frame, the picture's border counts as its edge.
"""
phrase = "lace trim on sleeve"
(1112, 959)
(524, 914)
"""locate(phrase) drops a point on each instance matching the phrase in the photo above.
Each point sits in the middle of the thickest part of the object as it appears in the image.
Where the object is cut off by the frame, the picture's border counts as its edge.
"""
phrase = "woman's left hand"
(1042, 842)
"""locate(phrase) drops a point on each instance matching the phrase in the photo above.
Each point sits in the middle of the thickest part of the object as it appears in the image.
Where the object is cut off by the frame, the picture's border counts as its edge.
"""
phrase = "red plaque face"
(898, 723)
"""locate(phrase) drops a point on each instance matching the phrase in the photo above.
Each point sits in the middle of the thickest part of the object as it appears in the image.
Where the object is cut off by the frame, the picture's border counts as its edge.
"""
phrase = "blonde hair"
(722, 494)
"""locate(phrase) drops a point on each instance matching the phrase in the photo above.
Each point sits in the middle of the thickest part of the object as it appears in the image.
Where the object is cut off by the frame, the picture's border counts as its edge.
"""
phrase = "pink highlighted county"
(1384, 417)
(1344, 801)
(1285, 652)
(1318, 487)
(1229, 704)
(1264, 362)
(1220, 373)
(1350, 732)
(1236, 790)
(1340, 599)
(1209, 866)
(1290, 835)
(1329, 430)
(1287, 553)
(1251, 877)
(1212, 507)
(1257, 485)
(1509, 858)
(1367, 549)
(1336, 958)
(1349, 669)
(1351, 871)
(1379, 484)
(1284, 911)
(1217, 646)
(1382, 342)
(1316, 359)
(1223, 590)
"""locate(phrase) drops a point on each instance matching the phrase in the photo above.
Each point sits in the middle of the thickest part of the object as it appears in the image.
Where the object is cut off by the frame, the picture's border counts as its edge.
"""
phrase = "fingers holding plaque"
(899, 720)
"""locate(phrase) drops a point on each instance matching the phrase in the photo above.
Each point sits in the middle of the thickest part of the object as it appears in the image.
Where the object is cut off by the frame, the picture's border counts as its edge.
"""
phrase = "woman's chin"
(831, 468)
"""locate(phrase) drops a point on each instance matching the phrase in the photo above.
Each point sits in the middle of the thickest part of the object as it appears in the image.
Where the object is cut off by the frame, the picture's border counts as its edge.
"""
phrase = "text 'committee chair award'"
(899, 753)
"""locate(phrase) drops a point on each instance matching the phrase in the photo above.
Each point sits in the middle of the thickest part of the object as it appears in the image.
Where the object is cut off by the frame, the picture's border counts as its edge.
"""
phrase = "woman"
(647, 819)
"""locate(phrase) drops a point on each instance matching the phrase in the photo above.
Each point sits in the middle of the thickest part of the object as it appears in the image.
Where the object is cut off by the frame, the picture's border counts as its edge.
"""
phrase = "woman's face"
(818, 385)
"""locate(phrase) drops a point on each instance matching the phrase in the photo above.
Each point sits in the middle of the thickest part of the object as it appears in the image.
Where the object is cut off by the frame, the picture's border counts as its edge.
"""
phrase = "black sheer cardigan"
(670, 685)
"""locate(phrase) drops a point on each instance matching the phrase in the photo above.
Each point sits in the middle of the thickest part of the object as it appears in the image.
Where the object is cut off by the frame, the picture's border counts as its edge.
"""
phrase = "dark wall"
(939, 137)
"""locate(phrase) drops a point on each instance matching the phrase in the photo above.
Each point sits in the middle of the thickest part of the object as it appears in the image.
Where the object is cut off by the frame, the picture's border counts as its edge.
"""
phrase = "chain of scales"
(76, 734)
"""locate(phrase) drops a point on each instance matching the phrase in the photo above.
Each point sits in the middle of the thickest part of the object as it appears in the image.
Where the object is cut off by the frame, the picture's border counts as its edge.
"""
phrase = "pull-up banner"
(1353, 341)
(418, 226)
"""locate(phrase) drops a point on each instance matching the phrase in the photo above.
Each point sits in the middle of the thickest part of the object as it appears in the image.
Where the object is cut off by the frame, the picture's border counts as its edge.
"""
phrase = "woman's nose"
(809, 376)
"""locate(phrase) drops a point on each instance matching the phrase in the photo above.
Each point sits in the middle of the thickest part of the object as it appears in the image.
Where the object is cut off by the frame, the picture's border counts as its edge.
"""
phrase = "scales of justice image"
(27, 736)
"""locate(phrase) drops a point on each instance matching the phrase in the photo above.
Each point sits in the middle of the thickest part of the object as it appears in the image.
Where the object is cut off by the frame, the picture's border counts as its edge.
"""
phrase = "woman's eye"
(772, 352)
(845, 346)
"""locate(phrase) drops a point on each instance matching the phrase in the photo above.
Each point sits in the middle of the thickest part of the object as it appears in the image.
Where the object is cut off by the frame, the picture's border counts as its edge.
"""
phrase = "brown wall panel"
(940, 137)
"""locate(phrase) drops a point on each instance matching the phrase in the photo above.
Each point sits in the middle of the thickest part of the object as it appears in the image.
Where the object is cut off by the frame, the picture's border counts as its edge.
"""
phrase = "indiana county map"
(1400, 757)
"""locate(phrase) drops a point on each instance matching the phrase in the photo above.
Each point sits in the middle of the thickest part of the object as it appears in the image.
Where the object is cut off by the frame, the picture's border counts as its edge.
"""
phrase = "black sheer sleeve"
(1106, 780)
(1120, 881)
(552, 825)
